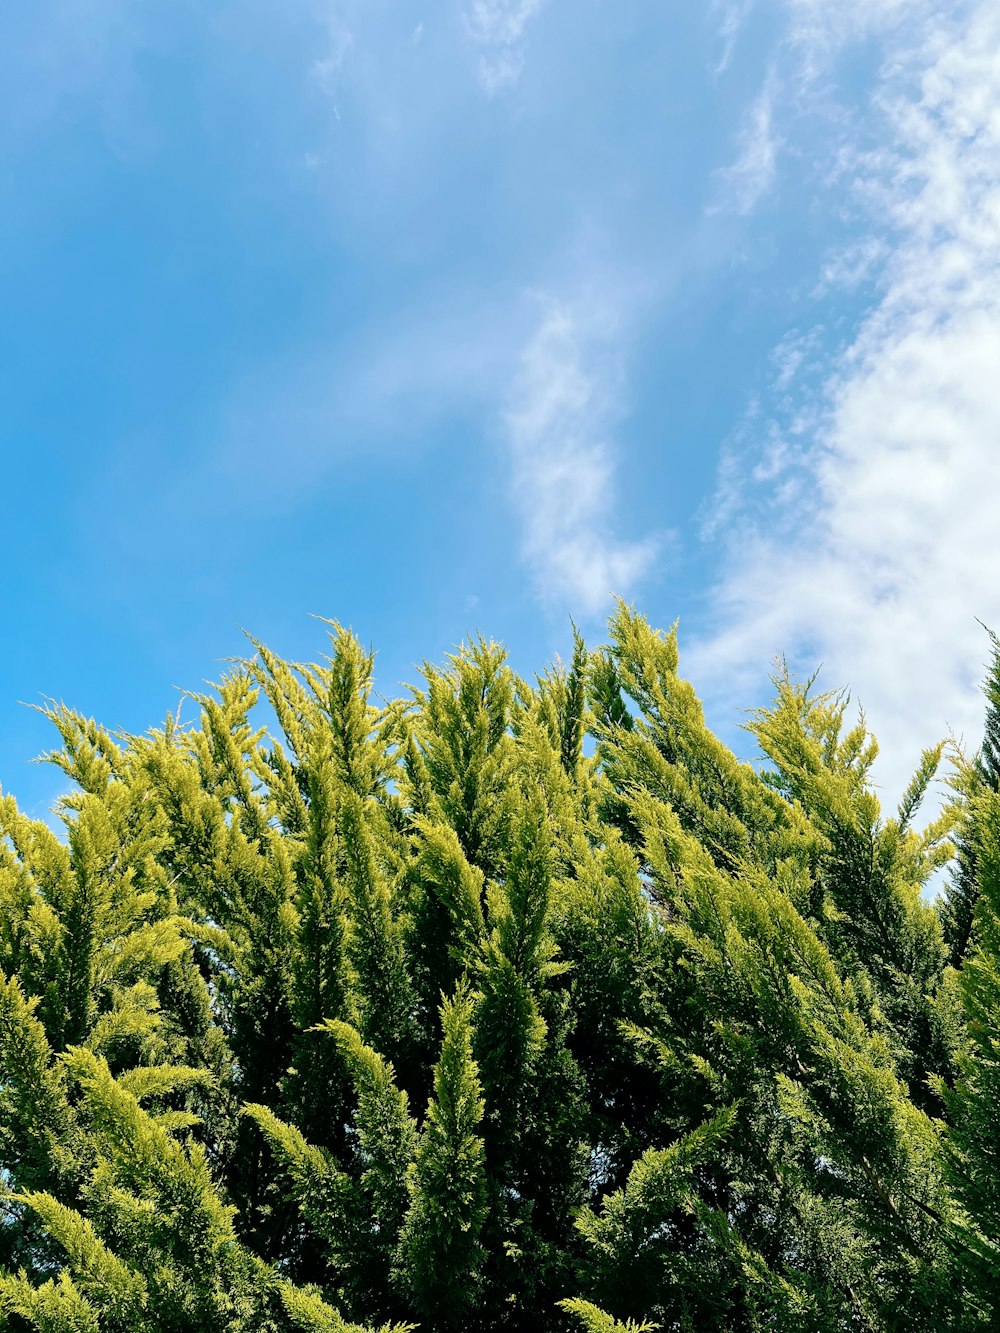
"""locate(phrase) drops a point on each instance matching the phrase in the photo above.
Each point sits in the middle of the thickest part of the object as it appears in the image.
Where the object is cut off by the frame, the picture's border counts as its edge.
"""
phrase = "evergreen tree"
(440, 1252)
(508, 1005)
(973, 1138)
(958, 905)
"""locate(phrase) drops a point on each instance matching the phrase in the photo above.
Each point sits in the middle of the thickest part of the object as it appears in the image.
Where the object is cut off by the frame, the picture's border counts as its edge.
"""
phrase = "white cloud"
(339, 40)
(815, 34)
(750, 177)
(733, 17)
(497, 28)
(850, 266)
(820, 28)
(878, 543)
(562, 406)
(555, 384)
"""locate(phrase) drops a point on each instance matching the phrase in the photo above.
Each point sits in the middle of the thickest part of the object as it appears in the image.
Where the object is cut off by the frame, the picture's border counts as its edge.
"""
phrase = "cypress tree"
(440, 1252)
(958, 904)
(973, 1139)
(507, 1005)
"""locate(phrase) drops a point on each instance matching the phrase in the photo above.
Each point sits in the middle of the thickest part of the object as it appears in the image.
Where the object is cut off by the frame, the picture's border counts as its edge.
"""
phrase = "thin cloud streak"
(733, 19)
(752, 175)
(561, 409)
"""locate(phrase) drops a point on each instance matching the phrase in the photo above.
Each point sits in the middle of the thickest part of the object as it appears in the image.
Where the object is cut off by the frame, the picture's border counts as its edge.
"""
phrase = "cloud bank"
(872, 542)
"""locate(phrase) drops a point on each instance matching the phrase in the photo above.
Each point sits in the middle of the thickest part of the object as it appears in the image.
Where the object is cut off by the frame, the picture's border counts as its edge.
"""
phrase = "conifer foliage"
(506, 1005)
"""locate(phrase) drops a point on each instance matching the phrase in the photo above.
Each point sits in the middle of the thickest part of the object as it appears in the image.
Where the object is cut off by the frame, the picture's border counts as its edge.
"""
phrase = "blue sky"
(442, 316)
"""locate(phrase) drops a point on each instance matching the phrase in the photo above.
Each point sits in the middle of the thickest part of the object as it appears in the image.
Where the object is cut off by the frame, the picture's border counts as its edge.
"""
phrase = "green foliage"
(507, 1006)
(974, 1157)
(440, 1254)
(982, 775)
(596, 1321)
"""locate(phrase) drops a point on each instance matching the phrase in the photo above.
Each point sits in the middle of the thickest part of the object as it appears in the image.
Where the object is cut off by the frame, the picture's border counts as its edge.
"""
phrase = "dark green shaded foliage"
(982, 775)
(424, 1014)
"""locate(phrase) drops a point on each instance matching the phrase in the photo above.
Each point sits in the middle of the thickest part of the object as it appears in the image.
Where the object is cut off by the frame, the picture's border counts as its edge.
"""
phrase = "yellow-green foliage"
(501, 1006)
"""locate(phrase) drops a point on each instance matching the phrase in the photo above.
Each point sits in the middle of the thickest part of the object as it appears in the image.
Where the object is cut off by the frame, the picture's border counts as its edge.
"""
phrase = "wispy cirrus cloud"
(869, 541)
(339, 40)
(745, 182)
(818, 29)
(562, 408)
(497, 28)
(554, 386)
(815, 33)
(733, 15)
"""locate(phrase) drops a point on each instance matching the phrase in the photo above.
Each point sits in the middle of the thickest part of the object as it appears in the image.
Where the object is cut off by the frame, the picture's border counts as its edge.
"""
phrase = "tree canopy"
(505, 1005)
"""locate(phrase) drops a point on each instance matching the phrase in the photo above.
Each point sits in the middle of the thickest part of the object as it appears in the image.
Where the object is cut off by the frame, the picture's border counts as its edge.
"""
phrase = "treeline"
(506, 1005)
